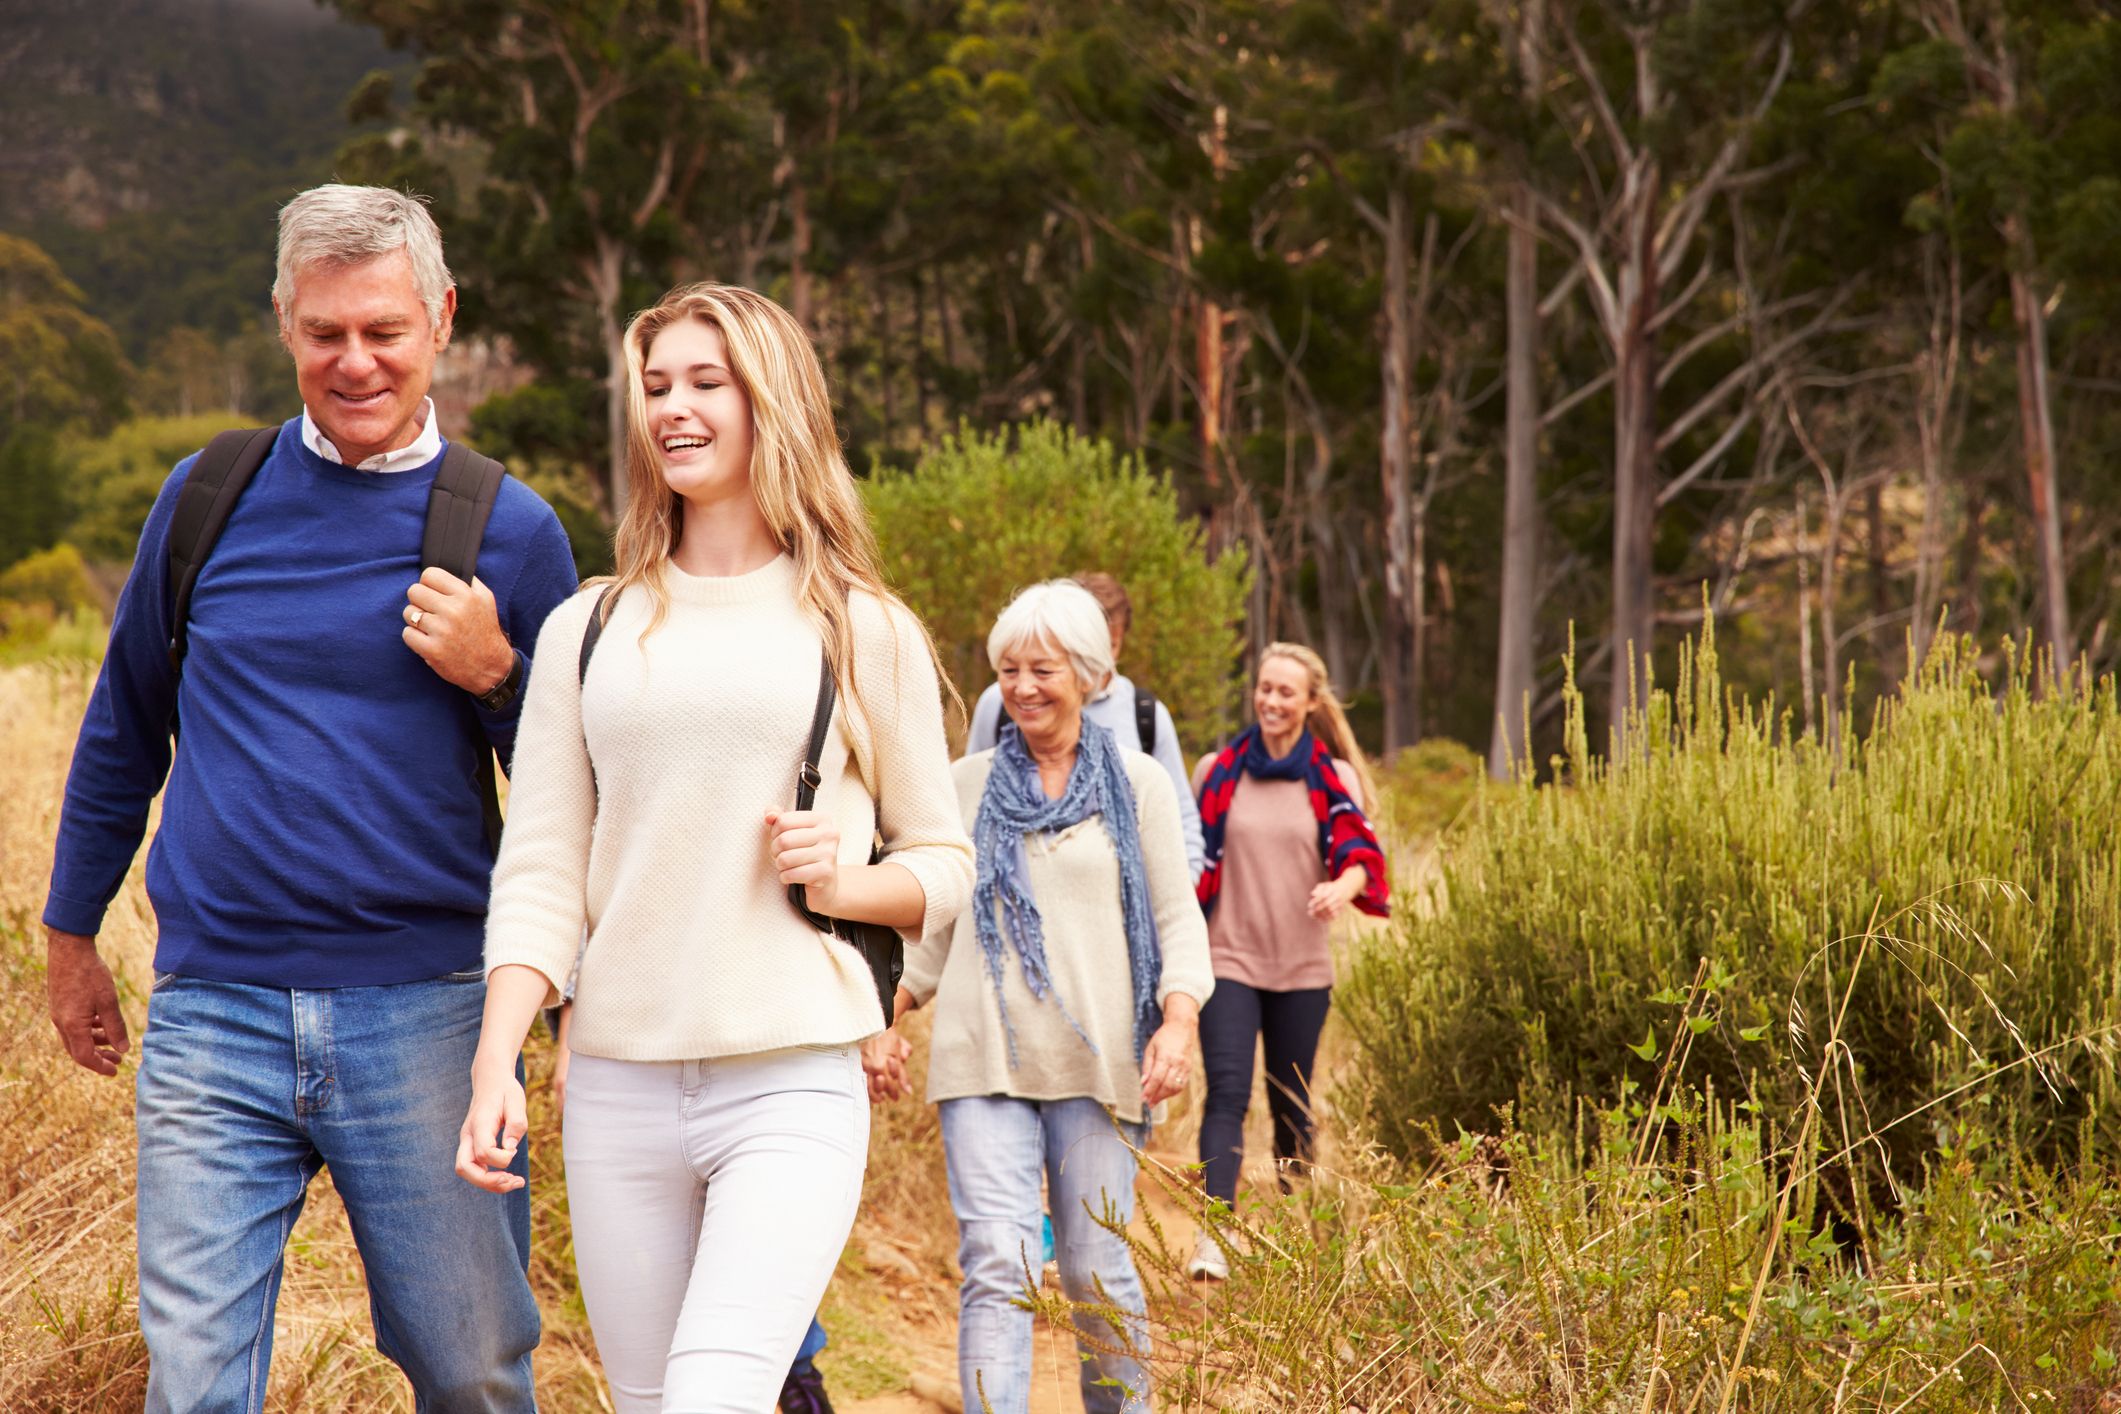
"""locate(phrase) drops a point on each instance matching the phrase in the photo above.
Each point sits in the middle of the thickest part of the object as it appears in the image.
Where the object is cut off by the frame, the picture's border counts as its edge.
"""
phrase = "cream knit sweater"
(1075, 878)
(637, 812)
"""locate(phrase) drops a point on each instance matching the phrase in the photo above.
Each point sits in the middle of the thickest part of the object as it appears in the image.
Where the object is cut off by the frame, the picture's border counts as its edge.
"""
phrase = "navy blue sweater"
(322, 823)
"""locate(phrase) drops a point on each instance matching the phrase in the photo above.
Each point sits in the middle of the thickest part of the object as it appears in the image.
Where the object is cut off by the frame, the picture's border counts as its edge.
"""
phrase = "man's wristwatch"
(494, 698)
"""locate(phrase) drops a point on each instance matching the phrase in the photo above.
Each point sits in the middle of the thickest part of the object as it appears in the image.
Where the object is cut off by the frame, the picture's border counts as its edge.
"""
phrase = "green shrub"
(984, 515)
(1973, 823)
(55, 578)
(114, 479)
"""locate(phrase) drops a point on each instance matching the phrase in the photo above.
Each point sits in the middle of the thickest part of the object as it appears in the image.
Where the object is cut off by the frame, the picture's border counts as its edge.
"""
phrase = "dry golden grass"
(69, 1337)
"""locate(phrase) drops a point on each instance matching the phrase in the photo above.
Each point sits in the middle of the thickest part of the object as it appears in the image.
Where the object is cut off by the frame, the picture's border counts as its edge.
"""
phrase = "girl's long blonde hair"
(799, 475)
(1328, 720)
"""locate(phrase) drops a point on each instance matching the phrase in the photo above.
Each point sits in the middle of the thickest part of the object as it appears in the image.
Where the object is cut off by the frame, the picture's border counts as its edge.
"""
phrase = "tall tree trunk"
(606, 276)
(799, 250)
(1520, 514)
(2036, 419)
(1396, 464)
(1635, 454)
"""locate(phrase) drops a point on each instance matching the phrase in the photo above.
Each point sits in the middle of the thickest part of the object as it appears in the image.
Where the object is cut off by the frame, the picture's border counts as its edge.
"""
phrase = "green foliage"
(1965, 843)
(1520, 1275)
(550, 433)
(1426, 788)
(49, 608)
(984, 515)
(32, 492)
(113, 480)
(55, 578)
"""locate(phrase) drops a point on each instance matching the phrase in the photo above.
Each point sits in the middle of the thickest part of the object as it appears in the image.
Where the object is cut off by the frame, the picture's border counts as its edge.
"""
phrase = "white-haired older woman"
(1067, 1002)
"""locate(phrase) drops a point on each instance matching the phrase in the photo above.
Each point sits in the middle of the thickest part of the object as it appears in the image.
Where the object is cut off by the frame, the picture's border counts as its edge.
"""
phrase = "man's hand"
(456, 628)
(84, 1001)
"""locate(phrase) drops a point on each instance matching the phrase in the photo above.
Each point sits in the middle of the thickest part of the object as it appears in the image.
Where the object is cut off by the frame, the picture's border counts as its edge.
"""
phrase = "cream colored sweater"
(637, 812)
(1075, 879)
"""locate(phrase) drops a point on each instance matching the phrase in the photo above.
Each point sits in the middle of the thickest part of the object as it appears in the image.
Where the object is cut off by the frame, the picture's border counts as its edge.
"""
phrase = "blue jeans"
(995, 1148)
(814, 1342)
(244, 1093)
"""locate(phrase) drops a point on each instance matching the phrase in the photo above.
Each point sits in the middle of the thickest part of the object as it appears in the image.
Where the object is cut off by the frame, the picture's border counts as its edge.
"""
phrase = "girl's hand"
(805, 845)
(1329, 900)
(496, 1107)
(884, 1063)
(1167, 1061)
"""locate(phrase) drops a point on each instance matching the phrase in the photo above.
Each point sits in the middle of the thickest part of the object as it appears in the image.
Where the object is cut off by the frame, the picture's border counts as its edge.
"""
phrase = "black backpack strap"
(204, 504)
(591, 632)
(807, 779)
(881, 947)
(1145, 718)
(466, 485)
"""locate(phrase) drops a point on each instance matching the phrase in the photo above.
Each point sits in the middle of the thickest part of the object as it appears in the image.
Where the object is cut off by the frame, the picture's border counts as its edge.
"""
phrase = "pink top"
(1262, 934)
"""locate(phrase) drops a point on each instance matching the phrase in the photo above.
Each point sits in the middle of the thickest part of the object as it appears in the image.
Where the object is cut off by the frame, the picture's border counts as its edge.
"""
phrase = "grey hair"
(345, 225)
(1064, 614)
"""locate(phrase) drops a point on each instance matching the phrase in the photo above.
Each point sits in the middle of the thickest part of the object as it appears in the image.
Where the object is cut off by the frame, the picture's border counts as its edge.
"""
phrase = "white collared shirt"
(418, 452)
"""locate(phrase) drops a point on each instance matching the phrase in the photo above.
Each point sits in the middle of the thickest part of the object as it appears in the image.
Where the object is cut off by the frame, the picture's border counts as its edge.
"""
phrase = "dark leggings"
(1234, 1016)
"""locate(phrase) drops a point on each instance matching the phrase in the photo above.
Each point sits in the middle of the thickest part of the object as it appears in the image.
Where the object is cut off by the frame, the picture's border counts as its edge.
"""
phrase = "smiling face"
(364, 351)
(699, 416)
(1040, 689)
(1282, 697)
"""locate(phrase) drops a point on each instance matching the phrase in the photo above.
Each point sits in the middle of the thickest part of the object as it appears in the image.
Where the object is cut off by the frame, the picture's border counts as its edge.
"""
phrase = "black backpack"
(1145, 718)
(880, 945)
(465, 488)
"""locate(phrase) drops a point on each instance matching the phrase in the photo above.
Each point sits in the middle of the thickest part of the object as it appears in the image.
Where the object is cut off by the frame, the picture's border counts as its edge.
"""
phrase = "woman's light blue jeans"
(243, 1094)
(996, 1148)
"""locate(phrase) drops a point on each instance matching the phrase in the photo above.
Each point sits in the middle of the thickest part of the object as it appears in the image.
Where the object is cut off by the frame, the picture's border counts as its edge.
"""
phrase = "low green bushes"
(1966, 841)
(985, 514)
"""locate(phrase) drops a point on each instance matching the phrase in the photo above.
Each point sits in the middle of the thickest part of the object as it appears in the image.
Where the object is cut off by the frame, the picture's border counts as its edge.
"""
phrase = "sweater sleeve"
(926, 959)
(540, 906)
(1181, 929)
(908, 758)
(122, 754)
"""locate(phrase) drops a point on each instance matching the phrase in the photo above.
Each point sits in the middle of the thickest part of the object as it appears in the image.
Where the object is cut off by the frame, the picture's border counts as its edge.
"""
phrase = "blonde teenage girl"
(716, 1120)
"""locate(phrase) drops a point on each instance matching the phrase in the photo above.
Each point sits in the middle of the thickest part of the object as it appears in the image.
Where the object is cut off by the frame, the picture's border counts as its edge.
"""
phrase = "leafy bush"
(49, 608)
(984, 515)
(1966, 841)
(114, 479)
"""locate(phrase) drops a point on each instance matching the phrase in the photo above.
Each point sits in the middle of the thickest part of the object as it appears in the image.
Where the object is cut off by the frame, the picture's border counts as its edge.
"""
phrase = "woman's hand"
(496, 1107)
(1167, 1061)
(884, 1062)
(1329, 900)
(805, 845)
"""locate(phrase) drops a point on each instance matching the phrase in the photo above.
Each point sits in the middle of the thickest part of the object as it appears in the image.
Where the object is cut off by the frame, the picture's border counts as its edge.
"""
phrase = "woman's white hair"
(343, 225)
(1064, 614)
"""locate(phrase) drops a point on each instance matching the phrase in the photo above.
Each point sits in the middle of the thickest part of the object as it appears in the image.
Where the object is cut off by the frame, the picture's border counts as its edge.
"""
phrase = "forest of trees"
(1484, 328)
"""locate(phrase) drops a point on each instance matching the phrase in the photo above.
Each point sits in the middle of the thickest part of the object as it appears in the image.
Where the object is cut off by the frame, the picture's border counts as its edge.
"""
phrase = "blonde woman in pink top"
(1288, 849)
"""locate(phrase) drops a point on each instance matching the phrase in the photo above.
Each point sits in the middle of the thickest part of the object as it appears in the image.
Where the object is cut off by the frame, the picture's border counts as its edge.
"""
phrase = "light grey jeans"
(710, 1200)
(995, 1148)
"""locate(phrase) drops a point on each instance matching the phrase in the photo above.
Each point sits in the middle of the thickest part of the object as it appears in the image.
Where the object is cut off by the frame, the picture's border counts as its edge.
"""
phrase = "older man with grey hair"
(319, 878)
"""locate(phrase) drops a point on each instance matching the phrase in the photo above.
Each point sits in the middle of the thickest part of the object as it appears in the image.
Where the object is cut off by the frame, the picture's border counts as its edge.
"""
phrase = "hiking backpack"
(465, 487)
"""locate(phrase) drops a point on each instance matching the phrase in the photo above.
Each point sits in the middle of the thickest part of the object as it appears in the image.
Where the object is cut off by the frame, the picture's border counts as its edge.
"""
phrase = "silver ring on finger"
(414, 615)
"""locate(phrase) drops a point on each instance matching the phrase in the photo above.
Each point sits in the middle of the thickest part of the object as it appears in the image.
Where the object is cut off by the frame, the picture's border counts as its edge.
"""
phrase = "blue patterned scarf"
(1015, 806)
